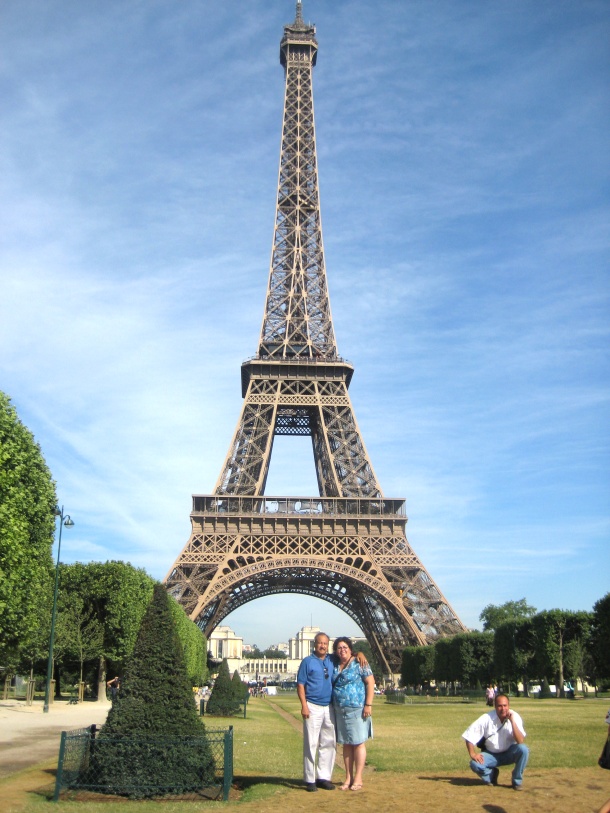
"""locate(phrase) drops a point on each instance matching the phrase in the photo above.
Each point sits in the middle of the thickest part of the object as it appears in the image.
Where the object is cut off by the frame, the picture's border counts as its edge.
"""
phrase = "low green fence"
(241, 709)
(77, 766)
(399, 698)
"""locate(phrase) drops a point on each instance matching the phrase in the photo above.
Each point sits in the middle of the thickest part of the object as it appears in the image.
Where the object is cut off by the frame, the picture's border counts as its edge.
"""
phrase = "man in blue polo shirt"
(314, 689)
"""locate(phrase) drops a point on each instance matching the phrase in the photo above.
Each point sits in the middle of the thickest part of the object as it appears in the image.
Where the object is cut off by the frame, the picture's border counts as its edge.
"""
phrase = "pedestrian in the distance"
(114, 685)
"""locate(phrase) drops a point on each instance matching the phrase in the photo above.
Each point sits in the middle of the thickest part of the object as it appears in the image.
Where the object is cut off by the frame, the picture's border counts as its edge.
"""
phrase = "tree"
(222, 700)
(365, 647)
(417, 667)
(79, 633)
(117, 595)
(194, 643)
(132, 756)
(513, 650)
(473, 657)
(553, 631)
(27, 522)
(493, 615)
(577, 662)
(446, 666)
(600, 637)
(254, 653)
(466, 658)
(274, 653)
(239, 689)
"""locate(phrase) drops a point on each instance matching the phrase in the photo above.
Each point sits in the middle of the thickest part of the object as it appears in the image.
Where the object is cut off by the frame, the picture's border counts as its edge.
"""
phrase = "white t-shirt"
(499, 737)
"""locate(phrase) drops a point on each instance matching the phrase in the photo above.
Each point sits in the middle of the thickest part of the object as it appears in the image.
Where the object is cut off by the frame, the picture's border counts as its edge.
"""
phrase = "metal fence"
(397, 698)
(77, 765)
(241, 709)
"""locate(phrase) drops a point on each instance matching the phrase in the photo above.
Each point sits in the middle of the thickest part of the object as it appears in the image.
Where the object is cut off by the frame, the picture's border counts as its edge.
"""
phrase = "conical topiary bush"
(153, 742)
(239, 688)
(222, 700)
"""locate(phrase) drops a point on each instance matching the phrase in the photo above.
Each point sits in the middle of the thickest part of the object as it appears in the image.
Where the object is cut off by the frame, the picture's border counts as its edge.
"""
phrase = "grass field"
(409, 739)
(423, 737)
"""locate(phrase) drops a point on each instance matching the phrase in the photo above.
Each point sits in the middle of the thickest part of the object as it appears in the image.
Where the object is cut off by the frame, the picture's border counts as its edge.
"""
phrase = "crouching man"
(500, 735)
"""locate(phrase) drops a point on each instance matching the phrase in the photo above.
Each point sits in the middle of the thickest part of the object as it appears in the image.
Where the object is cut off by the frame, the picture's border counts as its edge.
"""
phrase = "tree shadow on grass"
(246, 782)
(458, 781)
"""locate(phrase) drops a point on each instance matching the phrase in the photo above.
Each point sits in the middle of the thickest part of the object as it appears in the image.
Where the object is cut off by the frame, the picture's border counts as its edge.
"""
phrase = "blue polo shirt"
(315, 674)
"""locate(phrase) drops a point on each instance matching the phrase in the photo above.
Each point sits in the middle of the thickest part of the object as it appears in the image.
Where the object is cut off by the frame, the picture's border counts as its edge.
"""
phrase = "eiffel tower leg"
(343, 460)
(247, 464)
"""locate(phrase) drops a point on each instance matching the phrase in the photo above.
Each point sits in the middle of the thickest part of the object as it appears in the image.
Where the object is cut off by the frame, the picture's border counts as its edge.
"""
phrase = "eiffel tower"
(348, 545)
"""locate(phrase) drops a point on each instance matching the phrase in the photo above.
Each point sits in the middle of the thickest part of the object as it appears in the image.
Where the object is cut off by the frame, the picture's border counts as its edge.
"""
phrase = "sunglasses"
(325, 673)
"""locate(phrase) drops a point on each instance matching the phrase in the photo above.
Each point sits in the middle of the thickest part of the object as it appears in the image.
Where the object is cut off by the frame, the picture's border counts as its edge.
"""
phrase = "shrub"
(239, 689)
(222, 700)
(155, 704)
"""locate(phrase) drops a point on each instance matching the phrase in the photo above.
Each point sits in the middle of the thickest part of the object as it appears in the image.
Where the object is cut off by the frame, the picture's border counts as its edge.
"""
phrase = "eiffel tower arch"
(347, 545)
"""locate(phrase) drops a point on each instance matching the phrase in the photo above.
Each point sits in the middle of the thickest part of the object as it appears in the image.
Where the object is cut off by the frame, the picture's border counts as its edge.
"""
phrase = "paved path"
(296, 724)
(28, 736)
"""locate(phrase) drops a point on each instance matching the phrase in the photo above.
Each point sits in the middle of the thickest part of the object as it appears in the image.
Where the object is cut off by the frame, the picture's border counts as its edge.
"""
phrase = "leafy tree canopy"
(255, 652)
(27, 521)
(274, 652)
(600, 636)
(514, 647)
(417, 666)
(365, 647)
(117, 595)
(194, 643)
(495, 614)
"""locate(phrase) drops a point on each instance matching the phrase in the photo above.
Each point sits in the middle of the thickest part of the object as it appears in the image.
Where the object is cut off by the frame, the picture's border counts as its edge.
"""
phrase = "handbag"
(604, 760)
(483, 740)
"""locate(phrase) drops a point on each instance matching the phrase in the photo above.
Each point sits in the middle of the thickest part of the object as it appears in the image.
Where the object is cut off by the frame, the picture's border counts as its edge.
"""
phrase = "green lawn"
(417, 738)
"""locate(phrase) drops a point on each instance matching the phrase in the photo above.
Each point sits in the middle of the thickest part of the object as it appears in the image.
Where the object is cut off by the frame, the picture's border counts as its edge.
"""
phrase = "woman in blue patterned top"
(353, 692)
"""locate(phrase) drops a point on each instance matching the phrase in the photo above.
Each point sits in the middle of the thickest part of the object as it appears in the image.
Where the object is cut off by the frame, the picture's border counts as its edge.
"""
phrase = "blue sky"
(463, 160)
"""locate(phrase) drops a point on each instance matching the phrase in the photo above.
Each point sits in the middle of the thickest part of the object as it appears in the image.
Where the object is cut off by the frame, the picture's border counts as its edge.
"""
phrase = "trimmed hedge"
(155, 701)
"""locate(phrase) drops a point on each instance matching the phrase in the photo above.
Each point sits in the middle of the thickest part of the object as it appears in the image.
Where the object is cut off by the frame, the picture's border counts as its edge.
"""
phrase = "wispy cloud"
(463, 165)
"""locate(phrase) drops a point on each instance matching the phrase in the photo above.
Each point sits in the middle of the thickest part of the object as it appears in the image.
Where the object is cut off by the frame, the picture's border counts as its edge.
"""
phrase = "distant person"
(500, 735)
(114, 685)
(490, 695)
(353, 692)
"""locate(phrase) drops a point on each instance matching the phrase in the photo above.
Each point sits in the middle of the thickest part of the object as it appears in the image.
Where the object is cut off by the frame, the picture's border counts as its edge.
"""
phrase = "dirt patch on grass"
(552, 791)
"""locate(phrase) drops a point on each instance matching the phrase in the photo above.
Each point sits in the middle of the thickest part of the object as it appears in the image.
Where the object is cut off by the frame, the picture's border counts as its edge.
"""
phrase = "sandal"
(356, 787)
(344, 786)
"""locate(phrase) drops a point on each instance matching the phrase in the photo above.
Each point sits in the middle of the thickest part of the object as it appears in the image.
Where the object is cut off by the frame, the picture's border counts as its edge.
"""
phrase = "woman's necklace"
(346, 664)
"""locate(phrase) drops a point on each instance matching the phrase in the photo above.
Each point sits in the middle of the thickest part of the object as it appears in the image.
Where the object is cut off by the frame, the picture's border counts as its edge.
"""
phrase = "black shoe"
(325, 784)
(310, 787)
(517, 787)
(495, 772)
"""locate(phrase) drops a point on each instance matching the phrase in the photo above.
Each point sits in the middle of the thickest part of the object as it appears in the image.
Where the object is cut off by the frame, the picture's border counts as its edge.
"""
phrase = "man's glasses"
(325, 673)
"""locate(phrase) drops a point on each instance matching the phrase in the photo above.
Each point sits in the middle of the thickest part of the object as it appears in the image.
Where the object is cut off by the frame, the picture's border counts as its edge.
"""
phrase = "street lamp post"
(63, 520)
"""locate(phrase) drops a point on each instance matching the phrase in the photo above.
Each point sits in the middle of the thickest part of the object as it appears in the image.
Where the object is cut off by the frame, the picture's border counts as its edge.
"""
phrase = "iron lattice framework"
(347, 546)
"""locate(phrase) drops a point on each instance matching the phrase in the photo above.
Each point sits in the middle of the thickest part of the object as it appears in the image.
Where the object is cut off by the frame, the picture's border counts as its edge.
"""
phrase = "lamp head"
(68, 522)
